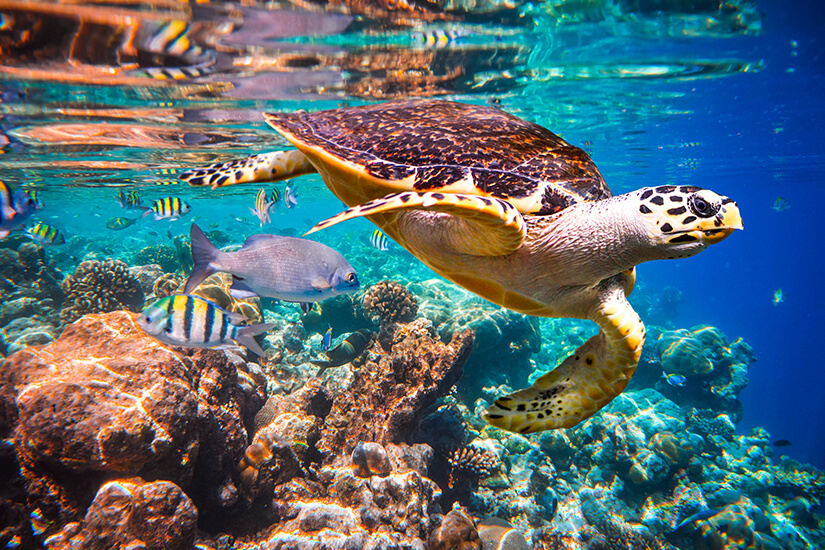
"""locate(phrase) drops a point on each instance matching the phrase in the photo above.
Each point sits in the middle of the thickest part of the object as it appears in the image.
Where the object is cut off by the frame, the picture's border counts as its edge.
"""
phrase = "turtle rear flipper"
(274, 166)
(588, 380)
(483, 226)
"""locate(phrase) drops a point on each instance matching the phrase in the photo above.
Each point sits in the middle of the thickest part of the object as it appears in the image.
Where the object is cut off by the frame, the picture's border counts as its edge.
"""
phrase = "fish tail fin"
(204, 254)
(245, 337)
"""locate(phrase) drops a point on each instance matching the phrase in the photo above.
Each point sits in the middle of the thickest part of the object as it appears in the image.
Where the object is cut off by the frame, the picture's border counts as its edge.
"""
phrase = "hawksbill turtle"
(511, 212)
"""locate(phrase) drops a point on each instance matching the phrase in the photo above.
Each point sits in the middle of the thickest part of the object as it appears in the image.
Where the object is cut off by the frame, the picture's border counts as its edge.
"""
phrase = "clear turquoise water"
(730, 103)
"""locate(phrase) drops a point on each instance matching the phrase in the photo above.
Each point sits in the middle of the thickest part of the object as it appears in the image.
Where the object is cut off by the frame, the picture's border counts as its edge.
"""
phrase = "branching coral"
(471, 462)
(706, 422)
(390, 302)
(98, 287)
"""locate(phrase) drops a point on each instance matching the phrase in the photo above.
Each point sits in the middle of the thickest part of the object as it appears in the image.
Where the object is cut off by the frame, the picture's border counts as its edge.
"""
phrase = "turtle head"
(684, 220)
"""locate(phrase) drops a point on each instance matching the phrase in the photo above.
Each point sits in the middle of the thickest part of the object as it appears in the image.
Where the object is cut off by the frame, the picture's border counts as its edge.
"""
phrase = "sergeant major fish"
(45, 234)
(286, 268)
(191, 321)
(168, 208)
(15, 208)
(129, 199)
(379, 241)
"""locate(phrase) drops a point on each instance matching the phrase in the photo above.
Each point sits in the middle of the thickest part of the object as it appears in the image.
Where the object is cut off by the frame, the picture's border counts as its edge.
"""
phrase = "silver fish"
(286, 268)
(15, 208)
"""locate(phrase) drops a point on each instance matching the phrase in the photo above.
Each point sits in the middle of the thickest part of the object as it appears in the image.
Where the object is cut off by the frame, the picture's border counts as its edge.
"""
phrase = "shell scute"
(473, 148)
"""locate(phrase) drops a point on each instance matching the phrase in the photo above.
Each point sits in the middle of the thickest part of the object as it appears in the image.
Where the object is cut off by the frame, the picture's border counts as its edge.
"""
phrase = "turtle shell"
(434, 145)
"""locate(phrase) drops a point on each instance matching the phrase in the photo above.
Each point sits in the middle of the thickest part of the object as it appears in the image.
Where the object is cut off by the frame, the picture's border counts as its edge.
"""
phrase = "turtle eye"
(702, 207)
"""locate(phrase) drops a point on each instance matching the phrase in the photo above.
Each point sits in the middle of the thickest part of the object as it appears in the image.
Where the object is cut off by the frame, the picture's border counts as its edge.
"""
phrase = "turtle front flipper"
(274, 166)
(488, 226)
(582, 384)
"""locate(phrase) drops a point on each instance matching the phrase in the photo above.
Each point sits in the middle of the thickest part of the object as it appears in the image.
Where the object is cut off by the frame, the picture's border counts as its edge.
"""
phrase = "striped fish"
(15, 208)
(438, 38)
(45, 234)
(34, 195)
(262, 207)
(190, 321)
(275, 196)
(168, 208)
(379, 240)
(128, 199)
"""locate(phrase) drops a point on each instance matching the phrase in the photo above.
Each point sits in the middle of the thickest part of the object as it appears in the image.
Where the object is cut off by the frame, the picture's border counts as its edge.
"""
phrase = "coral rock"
(456, 532)
(106, 398)
(370, 459)
(131, 513)
(388, 396)
(99, 287)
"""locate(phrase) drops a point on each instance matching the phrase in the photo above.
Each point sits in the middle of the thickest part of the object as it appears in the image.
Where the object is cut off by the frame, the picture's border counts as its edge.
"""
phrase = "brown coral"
(390, 302)
(471, 462)
(100, 287)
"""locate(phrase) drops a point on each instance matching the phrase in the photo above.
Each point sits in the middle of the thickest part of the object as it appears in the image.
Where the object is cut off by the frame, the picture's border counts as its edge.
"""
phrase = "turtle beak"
(726, 221)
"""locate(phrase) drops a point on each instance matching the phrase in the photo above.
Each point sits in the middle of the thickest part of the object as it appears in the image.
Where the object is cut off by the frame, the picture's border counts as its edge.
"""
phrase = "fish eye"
(352, 278)
(701, 207)
(147, 319)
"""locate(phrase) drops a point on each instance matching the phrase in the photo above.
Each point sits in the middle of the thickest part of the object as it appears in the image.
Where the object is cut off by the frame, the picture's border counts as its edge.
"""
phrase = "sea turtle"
(510, 211)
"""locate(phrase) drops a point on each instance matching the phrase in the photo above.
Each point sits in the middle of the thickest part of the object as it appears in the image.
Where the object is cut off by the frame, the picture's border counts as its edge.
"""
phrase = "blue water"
(752, 131)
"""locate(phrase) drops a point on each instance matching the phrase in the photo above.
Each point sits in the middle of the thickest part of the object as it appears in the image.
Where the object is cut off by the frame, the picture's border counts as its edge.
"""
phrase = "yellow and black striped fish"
(34, 195)
(379, 240)
(45, 234)
(168, 208)
(438, 38)
(275, 196)
(191, 321)
(262, 207)
(129, 199)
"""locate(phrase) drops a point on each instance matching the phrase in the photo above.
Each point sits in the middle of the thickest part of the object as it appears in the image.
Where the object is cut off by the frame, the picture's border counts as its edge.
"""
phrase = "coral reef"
(160, 254)
(389, 302)
(99, 287)
(137, 409)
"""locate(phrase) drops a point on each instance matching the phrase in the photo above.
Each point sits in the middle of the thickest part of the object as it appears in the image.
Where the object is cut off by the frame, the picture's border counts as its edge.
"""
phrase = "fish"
(116, 224)
(780, 204)
(275, 197)
(782, 443)
(130, 200)
(168, 208)
(34, 194)
(327, 340)
(699, 516)
(45, 234)
(674, 379)
(287, 268)
(379, 240)
(352, 347)
(194, 322)
(15, 208)
(262, 207)
(778, 296)
(290, 196)
(438, 38)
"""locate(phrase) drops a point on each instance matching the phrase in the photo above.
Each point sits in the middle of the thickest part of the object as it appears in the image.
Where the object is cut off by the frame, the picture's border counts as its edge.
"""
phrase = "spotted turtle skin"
(434, 145)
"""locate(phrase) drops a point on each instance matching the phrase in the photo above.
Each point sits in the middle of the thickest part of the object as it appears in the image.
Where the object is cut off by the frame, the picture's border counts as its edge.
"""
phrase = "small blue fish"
(290, 196)
(778, 297)
(674, 379)
(15, 208)
(327, 341)
(45, 234)
(379, 241)
(780, 204)
(699, 516)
